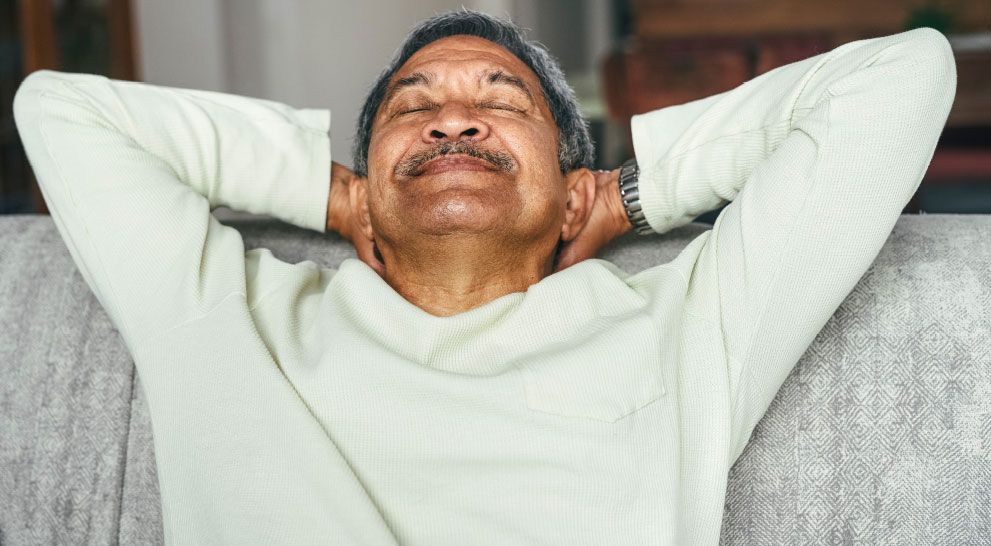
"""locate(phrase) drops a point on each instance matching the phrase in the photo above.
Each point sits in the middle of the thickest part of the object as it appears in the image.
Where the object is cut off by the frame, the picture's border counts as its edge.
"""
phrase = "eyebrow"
(417, 78)
(501, 77)
(490, 77)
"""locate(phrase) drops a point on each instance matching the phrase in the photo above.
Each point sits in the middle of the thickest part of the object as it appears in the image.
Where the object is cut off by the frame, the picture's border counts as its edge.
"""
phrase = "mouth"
(455, 162)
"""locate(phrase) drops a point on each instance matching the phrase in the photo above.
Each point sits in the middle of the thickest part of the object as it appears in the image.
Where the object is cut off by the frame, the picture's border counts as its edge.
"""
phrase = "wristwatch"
(629, 175)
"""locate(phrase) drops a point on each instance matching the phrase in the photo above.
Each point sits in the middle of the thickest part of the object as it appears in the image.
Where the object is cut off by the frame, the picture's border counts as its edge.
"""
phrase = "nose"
(454, 122)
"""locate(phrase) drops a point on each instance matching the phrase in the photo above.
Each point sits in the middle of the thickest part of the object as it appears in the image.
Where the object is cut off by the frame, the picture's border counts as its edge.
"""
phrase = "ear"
(581, 197)
(358, 189)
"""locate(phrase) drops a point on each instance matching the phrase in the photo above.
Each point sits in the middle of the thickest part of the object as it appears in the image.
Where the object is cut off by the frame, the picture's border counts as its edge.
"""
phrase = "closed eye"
(417, 109)
(412, 109)
(500, 106)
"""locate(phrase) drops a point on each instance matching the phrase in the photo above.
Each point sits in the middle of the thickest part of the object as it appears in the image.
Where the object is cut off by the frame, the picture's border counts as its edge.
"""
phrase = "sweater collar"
(487, 339)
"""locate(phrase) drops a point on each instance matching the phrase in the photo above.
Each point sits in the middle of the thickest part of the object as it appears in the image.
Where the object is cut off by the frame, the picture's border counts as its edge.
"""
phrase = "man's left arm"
(817, 159)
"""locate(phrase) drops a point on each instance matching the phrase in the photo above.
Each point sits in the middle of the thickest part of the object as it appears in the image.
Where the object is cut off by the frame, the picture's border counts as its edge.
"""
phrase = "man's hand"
(340, 219)
(608, 220)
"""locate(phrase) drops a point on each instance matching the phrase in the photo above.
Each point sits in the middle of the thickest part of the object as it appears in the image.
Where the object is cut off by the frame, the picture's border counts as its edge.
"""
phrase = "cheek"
(386, 147)
(537, 149)
(536, 146)
(541, 189)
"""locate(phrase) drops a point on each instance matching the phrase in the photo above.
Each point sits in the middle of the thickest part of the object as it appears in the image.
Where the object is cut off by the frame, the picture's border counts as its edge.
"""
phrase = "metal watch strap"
(629, 176)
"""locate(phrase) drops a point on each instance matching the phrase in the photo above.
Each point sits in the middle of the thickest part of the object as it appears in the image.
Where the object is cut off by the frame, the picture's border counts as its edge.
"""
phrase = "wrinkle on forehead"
(463, 49)
(466, 47)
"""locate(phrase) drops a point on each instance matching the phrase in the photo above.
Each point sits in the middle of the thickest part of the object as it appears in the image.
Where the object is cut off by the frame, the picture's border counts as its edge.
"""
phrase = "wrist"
(621, 220)
(629, 189)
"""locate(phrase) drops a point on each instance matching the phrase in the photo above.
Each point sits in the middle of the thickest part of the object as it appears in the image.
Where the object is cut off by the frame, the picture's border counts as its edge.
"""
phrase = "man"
(475, 378)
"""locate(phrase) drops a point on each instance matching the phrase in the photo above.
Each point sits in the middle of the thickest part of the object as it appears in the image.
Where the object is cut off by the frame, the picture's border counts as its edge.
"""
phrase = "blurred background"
(622, 57)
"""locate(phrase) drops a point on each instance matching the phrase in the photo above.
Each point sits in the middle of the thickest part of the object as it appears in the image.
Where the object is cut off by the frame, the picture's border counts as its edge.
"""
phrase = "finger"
(366, 253)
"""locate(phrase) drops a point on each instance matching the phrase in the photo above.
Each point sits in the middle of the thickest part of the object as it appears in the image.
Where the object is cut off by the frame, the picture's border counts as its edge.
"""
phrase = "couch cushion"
(881, 434)
(65, 393)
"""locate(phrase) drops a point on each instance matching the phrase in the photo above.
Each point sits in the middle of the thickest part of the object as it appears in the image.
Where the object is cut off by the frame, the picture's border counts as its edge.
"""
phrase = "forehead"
(458, 53)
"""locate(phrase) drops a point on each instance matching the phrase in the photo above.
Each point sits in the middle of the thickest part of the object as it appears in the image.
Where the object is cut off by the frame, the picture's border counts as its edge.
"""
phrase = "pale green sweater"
(297, 404)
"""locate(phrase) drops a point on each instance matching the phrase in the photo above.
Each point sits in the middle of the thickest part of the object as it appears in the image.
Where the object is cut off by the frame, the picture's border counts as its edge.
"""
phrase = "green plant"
(931, 14)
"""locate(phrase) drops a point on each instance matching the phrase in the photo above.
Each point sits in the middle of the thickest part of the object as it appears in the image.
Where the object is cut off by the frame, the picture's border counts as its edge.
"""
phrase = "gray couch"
(881, 434)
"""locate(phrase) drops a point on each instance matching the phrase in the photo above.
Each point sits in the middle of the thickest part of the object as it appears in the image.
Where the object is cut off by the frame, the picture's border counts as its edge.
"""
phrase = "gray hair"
(575, 146)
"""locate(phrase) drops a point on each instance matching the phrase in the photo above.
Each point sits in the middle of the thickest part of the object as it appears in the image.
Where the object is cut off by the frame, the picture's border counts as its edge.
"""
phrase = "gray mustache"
(412, 165)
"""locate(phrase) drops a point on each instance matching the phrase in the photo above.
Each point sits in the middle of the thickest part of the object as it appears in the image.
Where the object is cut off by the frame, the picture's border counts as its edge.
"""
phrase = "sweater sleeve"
(817, 158)
(131, 172)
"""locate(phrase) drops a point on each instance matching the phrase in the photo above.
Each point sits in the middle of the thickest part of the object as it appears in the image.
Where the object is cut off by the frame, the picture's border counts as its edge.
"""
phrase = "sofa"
(880, 435)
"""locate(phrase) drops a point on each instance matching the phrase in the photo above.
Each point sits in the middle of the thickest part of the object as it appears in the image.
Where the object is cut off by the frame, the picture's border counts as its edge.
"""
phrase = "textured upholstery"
(880, 435)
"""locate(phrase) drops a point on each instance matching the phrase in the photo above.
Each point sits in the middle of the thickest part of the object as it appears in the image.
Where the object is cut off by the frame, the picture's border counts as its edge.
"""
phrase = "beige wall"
(326, 53)
(180, 43)
(307, 53)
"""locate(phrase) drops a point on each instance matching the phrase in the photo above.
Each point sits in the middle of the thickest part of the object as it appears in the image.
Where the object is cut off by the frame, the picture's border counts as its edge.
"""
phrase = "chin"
(464, 210)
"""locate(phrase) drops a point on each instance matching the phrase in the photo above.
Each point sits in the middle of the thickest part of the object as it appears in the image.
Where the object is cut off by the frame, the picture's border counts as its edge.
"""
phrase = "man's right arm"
(131, 171)
(817, 159)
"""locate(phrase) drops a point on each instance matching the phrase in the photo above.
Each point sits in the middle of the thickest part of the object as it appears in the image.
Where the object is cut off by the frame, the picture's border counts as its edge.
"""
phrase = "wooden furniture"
(49, 36)
(683, 50)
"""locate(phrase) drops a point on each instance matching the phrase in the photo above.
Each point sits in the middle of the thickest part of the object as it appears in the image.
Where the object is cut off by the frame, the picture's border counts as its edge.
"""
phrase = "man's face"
(464, 143)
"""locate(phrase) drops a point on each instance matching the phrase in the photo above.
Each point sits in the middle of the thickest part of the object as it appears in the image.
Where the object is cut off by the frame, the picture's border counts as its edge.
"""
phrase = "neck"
(448, 275)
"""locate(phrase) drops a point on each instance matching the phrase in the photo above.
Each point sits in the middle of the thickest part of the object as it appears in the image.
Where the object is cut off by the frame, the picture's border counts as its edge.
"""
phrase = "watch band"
(629, 176)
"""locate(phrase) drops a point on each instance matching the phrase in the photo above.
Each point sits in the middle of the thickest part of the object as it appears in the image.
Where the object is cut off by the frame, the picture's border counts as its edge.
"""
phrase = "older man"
(474, 378)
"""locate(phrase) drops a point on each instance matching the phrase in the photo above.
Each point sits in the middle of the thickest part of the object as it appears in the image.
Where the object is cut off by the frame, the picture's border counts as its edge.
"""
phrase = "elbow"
(26, 104)
(940, 77)
(933, 44)
(43, 90)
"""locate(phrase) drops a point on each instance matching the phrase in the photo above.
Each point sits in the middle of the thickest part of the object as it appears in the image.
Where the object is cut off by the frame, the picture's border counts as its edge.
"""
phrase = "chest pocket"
(609, 371)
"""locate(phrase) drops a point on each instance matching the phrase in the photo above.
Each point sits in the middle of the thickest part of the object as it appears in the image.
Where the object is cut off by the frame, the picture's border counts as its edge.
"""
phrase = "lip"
(456, 162)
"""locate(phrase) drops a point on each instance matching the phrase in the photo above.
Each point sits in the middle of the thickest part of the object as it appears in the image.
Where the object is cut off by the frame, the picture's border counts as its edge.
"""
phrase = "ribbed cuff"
(302, 198)
(654, 137)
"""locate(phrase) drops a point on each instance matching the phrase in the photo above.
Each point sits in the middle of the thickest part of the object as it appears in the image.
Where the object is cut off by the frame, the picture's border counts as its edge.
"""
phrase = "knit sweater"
(300, 404)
